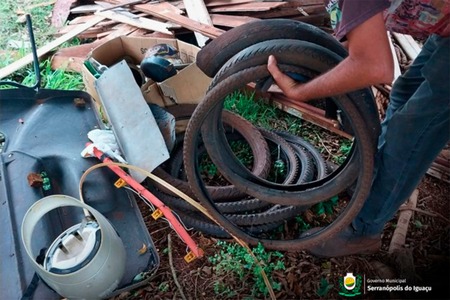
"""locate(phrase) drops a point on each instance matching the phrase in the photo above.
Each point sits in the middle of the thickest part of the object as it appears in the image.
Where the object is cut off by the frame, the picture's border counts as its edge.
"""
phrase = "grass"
(234, 261)
(261, 114)
(14, 37)
(54, 79)
(14, 29)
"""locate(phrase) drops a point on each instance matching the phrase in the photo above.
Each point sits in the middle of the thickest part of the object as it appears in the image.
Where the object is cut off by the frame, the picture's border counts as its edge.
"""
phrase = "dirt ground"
(423, 262)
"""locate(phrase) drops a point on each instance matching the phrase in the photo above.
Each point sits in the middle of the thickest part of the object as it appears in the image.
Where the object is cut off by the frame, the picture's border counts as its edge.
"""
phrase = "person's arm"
(369, 62)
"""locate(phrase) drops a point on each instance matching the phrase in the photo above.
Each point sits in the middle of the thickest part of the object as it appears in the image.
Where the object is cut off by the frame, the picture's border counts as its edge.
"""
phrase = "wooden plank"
(122, 4)
(316, 19)
(289, 12)
(307, 113)
(408, 44)
(230, 20)
(139, 22)
(303, 3)
(397, 71)
(8, 70)
(213, 3)
(248, 7)
(72, 58)
(301, 110)
(85, 9)
(79, 20)
(196, 10)
(99, 28)
(161, 4)
(399, 236)
(61, 12)
(165, 11)
(142, 33)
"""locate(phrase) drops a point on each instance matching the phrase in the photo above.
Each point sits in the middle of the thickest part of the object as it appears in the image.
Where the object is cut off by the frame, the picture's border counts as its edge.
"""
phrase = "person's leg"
(414, 132)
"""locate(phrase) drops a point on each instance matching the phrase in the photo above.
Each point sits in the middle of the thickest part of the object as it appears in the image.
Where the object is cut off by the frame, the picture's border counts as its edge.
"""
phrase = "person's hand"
(290, 87)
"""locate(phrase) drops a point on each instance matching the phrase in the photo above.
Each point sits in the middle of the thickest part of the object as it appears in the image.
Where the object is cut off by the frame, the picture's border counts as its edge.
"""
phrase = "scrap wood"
(307, 113)
(288, 11)
(139, 22)
(230, 20)
(72, 58)
(8, 70)
(196, 10)
(248, 7)
(431, 214)
(85, 9)
(397, 71)
(164, 11)
(381, 102)
(90, 32)
(408, 44)
(399, 235)
(315, 19)
(440, 167)
(162, 5)
(80, 20)
(436, 171)
(301, 110)
(61, 12)
(212, 3)
(122, 4)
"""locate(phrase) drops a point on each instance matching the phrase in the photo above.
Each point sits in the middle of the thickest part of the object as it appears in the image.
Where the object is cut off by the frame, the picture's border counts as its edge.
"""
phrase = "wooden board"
(139, 22)
(230, 20)
(247, 7)
(196, 10)
(85, 9)
(8, 70)
(72, 58)
(61, 12)
(165, 10)
(290, 12)
(213, 3)
(408, 44)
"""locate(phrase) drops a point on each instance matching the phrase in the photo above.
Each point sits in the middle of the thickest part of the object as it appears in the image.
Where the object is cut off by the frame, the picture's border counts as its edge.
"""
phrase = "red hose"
(184, 235)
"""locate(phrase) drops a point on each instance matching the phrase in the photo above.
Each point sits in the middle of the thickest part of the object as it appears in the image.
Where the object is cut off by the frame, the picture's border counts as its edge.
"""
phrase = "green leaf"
(324, 287)
(418, 224)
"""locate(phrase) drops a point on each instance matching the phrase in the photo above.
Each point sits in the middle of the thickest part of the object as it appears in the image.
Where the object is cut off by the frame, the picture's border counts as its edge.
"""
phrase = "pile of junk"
(73, 167)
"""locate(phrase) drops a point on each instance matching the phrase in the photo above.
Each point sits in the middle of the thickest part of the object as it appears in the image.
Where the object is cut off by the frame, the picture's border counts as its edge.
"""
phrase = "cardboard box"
(189, 85)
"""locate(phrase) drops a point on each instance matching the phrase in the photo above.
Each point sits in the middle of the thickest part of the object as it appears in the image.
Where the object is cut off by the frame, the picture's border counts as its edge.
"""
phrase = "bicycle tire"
(260, 153)
(308, 55)
(363, 141)
(218, 51)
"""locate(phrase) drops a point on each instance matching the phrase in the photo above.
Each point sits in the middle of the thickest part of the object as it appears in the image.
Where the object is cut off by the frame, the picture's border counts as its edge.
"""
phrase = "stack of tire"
(251, 206)
(302, 162)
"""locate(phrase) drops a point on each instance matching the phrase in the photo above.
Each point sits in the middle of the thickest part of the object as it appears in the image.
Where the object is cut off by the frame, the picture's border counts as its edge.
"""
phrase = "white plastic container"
(86, 261)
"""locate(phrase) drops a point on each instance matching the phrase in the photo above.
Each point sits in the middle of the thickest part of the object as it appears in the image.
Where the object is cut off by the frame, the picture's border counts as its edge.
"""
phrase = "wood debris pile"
(167, 19)
(104, 20)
